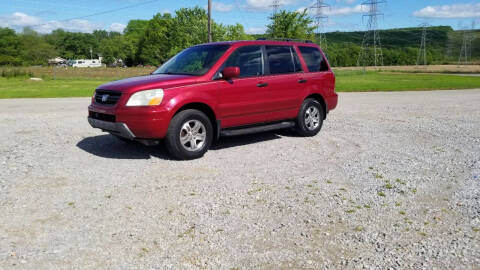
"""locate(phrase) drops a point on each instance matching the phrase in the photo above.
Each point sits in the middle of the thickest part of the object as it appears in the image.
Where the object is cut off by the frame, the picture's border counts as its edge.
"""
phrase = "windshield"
(193, 61)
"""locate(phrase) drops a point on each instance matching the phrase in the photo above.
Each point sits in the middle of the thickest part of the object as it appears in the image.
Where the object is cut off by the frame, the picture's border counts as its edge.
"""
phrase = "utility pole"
(371, 39)
(209, 20)
(422, 53)
(320, 17)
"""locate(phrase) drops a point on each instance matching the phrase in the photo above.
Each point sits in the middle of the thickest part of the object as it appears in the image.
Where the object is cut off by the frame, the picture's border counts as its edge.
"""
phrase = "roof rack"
(287, 39)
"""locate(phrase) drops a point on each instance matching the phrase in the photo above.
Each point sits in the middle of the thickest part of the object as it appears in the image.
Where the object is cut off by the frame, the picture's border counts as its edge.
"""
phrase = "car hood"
(149, 82)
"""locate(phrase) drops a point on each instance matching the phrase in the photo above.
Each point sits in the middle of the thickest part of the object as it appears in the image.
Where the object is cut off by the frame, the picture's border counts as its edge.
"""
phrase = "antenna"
(371, 52)
(422, 53)
(276, 6)
(320, 18)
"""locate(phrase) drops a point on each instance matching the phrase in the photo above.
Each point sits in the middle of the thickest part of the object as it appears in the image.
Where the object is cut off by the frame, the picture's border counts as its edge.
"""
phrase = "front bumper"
(149, 122)
(119, 129)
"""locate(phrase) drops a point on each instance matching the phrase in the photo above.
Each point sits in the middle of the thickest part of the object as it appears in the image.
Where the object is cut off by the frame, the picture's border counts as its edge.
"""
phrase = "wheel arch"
(206, 109)
(322, 102)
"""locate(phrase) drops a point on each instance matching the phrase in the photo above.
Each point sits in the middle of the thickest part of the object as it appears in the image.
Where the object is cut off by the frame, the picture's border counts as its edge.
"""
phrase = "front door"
(244, 100)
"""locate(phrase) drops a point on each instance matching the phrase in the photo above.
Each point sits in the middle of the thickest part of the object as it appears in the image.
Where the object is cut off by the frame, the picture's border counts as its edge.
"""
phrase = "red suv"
(219, 89)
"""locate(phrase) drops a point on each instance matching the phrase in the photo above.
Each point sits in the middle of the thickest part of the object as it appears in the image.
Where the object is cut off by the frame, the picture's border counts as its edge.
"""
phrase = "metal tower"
(320, 18)
(466, 49)
(422, 53)
(276, 6)
(371, 52)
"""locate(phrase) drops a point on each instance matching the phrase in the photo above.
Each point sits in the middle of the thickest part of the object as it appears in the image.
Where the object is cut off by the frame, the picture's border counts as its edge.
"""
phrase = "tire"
(189, 135)
(313, 110)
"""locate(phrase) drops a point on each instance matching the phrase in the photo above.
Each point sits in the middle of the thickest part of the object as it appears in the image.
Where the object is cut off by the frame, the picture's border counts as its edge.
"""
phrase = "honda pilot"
(219, 89)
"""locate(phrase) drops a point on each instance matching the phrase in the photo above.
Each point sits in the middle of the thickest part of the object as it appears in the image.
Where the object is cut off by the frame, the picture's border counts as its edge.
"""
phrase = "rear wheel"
(310, 118)
(189, 135)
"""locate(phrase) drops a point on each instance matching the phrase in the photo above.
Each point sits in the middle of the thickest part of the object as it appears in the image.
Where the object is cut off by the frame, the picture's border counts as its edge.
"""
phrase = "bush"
(13, 73)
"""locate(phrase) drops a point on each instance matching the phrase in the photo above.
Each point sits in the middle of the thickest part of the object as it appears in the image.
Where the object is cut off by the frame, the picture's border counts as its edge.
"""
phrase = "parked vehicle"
(219, 89)
(82, 63)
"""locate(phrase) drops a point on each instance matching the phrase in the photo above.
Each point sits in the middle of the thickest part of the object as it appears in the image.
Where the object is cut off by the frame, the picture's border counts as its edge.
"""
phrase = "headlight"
(146, 98)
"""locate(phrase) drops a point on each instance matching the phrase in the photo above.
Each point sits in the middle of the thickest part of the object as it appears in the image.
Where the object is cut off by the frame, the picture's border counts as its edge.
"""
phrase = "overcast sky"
(343, 15)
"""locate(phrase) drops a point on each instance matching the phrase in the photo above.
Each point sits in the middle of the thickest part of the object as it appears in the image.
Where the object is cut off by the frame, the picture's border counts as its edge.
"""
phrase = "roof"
(265, 41)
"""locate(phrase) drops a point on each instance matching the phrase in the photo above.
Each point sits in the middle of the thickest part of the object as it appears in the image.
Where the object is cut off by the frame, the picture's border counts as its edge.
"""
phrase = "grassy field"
(82, 82)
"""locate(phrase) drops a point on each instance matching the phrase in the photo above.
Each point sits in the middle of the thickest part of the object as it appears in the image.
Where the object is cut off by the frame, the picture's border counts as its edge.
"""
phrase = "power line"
(422, 53)
(276, 6)
(101, 12)
(320, 18)
(466, 49)
(371, 52)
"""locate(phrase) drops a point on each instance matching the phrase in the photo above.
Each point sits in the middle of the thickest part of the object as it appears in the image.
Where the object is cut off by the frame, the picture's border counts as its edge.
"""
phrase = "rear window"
(282, 59)
(314, 59)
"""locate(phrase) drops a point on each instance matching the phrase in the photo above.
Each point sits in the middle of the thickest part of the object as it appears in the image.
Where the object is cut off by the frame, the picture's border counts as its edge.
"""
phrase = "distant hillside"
(401, 46)
(438, 36)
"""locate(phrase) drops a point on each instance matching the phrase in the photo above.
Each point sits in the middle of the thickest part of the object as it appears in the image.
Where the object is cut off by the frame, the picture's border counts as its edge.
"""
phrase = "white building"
(87, 63)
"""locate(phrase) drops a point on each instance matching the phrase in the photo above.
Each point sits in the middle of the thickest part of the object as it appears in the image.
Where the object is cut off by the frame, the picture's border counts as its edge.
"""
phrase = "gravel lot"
(392, 180)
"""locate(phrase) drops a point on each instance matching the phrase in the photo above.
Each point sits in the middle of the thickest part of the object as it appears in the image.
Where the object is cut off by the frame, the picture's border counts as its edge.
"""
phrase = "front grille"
(102, 116)
(107, 97)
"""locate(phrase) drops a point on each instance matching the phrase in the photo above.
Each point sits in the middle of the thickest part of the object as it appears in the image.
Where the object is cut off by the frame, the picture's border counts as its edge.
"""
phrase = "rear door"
(285, 80)
(319, 78)
(244, 100)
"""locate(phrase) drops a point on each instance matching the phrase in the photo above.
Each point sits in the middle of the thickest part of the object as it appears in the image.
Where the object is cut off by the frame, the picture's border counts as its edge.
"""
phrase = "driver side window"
(249, 59)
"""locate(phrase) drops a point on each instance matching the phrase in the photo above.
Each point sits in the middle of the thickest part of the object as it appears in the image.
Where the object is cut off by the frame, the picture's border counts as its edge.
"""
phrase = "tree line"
(152, 42)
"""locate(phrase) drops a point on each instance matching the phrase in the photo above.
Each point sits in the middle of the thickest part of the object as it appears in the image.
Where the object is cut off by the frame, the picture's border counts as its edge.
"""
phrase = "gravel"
(392, 181)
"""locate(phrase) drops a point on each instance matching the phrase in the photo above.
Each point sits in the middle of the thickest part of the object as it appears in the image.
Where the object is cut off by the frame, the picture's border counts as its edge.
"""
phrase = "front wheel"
(189, 135)
(310, 118)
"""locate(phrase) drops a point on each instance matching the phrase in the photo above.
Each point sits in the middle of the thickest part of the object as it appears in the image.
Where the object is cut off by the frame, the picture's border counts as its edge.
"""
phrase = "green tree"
(190, 26)
(133, 33)
(9, 47)
(155, 45)
(35, 50)
(291, 24)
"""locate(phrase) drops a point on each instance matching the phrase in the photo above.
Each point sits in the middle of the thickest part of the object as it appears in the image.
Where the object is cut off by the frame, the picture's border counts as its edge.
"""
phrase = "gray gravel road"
(392, 180)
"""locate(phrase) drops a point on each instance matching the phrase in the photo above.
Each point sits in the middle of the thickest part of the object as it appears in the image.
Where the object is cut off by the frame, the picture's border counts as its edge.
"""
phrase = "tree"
(291, 24)
(155, 44)
(133, 33)
(34, 49)
(9, 47)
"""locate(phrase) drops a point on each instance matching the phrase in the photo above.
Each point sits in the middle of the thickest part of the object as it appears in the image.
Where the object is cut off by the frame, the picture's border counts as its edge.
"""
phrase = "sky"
(343, 15)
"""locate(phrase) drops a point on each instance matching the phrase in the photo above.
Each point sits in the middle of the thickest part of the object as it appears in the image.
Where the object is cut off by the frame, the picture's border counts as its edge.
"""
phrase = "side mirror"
(231, 72)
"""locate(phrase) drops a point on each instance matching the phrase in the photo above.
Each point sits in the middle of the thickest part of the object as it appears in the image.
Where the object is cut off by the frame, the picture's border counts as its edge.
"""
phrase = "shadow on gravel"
(234, 141)
(107, 146)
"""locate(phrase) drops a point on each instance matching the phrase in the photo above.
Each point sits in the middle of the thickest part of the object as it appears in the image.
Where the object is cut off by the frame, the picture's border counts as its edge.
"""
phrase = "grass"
(24, 88)
(73, 82)
(357, 81)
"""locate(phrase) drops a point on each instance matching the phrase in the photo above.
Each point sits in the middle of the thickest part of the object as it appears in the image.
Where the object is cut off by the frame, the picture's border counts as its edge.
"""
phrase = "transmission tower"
(320, 19)
(422, 53)
(371, 52)
(466, 49)
(276, 6)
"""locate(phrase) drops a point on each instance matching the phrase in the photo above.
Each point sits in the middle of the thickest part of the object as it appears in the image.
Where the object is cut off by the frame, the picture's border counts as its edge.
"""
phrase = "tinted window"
(314, 59)
(282, 59)
(195, 60)
(249, 59)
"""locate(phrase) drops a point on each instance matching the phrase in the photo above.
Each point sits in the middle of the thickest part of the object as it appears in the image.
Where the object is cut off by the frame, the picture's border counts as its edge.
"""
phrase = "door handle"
(262, 84)
(302, 81)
